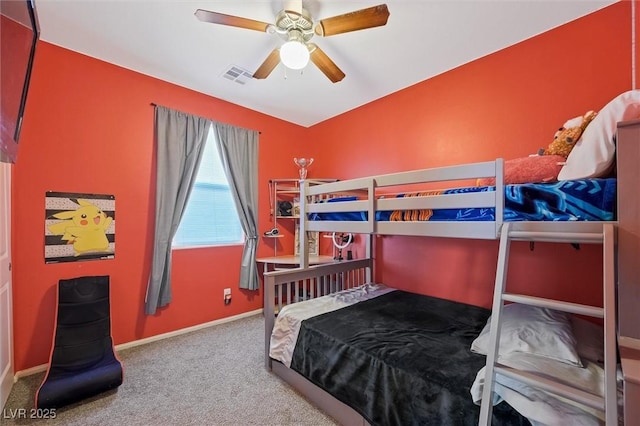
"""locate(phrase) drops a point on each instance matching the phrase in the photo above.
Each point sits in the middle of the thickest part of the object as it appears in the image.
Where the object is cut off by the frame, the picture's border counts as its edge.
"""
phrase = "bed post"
(369, 255)
(303, 243)
(269, 316)
(499, 195)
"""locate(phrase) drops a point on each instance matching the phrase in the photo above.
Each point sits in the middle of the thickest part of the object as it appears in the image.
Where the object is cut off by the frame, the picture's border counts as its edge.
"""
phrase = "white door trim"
(6, 314)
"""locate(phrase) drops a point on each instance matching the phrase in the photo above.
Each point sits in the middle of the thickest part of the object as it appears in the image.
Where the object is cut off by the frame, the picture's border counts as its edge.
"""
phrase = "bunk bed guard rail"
(368, 201)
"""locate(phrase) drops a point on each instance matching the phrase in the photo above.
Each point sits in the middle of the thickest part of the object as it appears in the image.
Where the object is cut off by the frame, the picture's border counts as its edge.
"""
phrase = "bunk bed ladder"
(602, 233)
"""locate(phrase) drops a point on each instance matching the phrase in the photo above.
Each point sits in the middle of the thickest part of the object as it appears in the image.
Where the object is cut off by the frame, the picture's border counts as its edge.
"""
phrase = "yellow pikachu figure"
(84, 228)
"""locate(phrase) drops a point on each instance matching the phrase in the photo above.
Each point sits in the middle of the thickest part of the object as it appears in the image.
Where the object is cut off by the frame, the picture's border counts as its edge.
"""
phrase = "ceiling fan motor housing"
(290, 22)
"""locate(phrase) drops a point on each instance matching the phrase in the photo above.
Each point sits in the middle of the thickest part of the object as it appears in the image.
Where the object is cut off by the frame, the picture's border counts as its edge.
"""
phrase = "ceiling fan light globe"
(294, 55)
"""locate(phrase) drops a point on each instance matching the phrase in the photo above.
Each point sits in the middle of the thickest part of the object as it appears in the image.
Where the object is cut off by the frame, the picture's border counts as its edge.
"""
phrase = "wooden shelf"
(287, 190)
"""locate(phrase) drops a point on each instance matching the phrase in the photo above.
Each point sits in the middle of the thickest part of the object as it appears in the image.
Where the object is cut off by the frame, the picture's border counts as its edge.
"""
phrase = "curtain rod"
(155, 104)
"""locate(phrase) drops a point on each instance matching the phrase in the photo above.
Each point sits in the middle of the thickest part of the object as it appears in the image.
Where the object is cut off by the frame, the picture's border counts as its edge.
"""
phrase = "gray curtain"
(238, 150)
(180, 140)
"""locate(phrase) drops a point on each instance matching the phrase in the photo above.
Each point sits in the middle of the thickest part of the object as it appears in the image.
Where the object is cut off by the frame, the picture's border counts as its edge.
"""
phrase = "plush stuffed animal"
(567, 135)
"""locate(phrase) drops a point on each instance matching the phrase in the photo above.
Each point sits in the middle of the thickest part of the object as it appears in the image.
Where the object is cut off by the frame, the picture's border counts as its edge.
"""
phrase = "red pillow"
(538, 168)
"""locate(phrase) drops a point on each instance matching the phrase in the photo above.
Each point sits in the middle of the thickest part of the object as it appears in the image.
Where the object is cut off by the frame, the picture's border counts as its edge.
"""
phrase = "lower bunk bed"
(368, 354)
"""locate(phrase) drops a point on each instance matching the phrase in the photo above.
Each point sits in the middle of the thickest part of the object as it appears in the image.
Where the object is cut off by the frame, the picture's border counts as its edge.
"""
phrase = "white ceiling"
(423, 38)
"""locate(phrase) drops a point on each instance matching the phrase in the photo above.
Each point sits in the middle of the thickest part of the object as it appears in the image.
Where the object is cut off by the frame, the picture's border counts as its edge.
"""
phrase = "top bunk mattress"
(572, 200)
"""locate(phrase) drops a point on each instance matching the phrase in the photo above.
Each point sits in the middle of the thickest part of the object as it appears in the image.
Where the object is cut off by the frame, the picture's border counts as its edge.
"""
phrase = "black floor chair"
(83, 362)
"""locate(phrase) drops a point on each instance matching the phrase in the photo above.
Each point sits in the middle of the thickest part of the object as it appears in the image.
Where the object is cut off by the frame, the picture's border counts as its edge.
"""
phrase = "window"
(210, 217)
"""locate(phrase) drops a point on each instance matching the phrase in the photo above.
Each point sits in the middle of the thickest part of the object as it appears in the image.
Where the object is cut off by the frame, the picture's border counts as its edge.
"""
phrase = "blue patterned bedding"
(575, 200)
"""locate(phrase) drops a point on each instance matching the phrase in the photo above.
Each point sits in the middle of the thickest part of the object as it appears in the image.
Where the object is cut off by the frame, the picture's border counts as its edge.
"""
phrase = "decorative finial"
(303, 163)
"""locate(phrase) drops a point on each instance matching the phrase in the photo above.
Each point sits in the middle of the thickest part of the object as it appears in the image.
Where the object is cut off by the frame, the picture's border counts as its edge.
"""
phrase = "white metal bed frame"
(284, 287)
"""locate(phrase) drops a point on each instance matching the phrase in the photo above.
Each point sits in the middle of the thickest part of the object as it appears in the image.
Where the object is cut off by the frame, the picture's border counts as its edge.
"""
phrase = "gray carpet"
(214, 376)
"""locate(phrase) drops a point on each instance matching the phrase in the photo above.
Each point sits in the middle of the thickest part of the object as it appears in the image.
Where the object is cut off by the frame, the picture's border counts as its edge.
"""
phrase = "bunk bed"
(311, 313)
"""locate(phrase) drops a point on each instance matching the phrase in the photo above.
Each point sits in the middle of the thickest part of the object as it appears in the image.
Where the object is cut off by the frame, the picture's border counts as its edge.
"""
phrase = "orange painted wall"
(507, 104)
(89, 128)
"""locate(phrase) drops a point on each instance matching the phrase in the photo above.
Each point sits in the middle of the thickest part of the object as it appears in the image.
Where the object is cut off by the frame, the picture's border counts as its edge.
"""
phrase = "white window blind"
(210, 217)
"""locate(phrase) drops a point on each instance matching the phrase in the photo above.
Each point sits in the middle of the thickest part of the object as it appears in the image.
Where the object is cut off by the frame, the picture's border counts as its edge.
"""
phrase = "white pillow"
(589, 339)
(593, 154)
(533, 330)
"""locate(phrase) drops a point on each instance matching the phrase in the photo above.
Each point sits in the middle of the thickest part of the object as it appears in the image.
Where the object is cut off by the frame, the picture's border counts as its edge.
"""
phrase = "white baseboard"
(43, 367)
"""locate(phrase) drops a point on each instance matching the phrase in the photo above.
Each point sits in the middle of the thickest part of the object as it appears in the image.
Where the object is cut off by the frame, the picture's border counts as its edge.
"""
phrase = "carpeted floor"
(214, 376)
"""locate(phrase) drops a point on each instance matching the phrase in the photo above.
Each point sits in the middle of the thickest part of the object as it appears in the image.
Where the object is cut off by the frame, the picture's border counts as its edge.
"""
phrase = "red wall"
(89, 128)
(507, 104)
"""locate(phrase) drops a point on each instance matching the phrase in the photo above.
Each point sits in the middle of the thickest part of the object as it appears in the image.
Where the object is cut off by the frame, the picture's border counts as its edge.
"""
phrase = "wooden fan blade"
(268, 65)
(326, 65)
(375, 16)
(232, 21)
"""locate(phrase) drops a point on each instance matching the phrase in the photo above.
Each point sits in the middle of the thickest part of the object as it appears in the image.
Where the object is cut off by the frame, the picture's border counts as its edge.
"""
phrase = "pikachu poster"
(79, 227)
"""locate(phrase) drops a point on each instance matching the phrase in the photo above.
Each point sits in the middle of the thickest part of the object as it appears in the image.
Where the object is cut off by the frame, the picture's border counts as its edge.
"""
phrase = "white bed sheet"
(540, 407)
(287, 323)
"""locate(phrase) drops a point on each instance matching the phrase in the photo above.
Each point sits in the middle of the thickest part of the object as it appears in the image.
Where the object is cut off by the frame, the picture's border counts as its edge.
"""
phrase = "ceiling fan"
(295, 25)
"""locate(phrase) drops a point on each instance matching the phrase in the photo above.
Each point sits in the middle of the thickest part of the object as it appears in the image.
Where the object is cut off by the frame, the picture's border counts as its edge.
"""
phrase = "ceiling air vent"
(237, 74)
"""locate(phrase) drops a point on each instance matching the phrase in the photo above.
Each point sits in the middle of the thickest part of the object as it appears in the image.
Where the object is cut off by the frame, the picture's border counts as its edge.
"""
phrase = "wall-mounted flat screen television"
(19, 33)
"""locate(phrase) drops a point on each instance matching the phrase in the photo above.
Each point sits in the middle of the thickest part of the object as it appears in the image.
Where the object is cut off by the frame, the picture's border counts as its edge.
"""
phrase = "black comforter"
(399, 359)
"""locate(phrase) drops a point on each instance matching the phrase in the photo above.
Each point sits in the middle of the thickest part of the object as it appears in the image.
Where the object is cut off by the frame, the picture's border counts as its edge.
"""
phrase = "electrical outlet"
(227, 296)
(227, 292)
